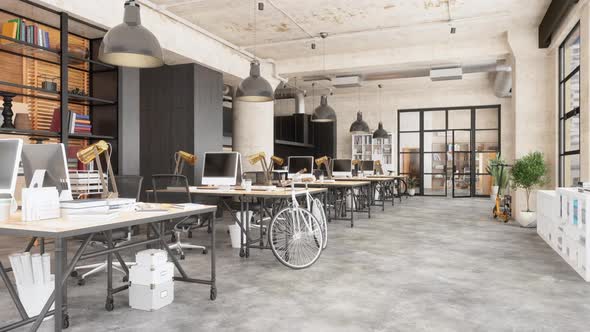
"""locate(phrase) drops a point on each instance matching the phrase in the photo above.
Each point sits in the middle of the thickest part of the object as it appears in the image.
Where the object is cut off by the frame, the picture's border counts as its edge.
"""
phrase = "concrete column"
(129, 121)
(253, 129)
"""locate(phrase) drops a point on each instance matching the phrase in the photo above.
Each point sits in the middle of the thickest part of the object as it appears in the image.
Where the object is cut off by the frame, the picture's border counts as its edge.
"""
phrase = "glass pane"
(483, 185)
(460, 119)
(571, 170)
(409, 164)
(435, 162)
(482, 160)
(409, 142)
(434, 184)
(435, 141)
(572, 93)
(435, 120)
(486, 140)
(462, 185)
(462, 162)
(571, 133)
(571, 53)
(462, 140)
(486, 118)
(409, 121)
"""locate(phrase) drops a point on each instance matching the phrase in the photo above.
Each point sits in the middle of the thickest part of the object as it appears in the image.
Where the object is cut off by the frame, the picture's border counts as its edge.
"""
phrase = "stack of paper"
(88, 210)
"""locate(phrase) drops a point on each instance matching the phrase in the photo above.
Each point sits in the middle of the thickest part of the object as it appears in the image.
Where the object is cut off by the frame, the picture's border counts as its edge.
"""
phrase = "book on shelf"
(18, 29)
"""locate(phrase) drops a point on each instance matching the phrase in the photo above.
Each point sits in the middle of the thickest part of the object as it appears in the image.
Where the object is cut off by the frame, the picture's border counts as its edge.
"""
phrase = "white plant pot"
(412, 191)
(527, 219)
(494, 193)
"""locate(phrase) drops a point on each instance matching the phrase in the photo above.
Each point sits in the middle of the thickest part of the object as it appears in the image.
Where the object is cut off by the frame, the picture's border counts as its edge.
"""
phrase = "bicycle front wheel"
(295, 238)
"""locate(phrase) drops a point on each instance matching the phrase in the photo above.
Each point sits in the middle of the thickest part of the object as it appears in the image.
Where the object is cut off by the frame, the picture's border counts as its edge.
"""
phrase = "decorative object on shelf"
(130, 44)
(359, 126)
(380, 132)
(7, 111)
(92, 153)
(255, 88)
(327, 162)
(528, 173)
(38, 140)
(323, 113)
(49, 82)
(182, 157)
(412, 184)
(499, 176)
(22, 121)
(77, 92)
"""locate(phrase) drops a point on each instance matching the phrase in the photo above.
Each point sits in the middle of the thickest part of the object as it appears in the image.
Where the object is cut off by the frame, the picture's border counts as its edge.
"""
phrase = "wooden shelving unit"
(71, 61)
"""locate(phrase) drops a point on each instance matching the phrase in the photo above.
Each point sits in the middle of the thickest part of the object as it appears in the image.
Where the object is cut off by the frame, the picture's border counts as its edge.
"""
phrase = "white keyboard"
(266, 188)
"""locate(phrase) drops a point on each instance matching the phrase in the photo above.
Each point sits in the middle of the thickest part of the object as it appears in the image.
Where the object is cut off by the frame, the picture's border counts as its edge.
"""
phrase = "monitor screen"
(51, 158)
(367, 165)
(220, 165)
(10, 150)
(298, 163)
(342, 165)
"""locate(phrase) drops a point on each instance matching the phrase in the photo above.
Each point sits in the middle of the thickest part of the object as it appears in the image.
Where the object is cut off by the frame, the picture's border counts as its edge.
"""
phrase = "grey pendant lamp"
(324, 113)
(380, 132)
(359, 126)
(130, 44)
(255, 88)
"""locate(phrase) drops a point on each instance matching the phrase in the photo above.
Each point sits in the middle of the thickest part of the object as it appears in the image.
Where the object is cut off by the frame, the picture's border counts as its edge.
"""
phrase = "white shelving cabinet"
(364, 147)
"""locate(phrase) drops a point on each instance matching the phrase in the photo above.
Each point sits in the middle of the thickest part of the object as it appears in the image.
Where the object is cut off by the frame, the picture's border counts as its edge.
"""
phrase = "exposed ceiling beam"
(287, 15)
(179, 3)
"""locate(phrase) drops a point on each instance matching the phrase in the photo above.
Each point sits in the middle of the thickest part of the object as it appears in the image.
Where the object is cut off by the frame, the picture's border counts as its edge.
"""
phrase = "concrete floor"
(427, 264)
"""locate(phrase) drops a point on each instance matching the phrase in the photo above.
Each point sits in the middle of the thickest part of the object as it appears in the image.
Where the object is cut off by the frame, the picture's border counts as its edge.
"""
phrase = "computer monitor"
(52, 159)
(221, 168)
(10, 155)
(342, 167)
(296, 164)
(367, 166)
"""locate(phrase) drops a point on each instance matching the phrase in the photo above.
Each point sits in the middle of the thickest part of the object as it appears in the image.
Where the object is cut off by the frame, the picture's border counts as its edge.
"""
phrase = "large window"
(569, 109)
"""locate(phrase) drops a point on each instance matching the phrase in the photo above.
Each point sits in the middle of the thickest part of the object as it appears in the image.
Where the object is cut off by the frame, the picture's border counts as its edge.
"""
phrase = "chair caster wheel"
(74, 274)
(110, 305)
(242, 253)
(65, 323)
(182, 257)
(81, 282)
(213, 294)
(204, 251)
(125, 279)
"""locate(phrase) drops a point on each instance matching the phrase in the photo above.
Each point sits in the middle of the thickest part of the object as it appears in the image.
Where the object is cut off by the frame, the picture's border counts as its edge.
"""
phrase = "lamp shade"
(129, 44)
(380, 132)
(323, 113)
(359, 126)
(254, 88)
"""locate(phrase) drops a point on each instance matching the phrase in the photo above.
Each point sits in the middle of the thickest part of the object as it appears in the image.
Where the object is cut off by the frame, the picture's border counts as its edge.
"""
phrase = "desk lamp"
(92, 153)
(266, 169)
(277, 161)
(325, 160)
(378, 167)
(356, 162)
(181, 158)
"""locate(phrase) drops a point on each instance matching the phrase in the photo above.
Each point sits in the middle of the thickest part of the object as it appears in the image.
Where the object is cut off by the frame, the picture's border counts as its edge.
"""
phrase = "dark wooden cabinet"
(297, 135)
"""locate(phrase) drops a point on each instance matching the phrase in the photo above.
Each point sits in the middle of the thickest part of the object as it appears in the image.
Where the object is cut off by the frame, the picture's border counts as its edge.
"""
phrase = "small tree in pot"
(527, 173)
(499, 175)
(412, 184)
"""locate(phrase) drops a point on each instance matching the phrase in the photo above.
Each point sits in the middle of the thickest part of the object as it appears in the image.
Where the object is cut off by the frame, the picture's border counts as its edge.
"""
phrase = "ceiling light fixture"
(255, 88)
(359, 126)
(130, 44)
(324, 113)
(380, 132)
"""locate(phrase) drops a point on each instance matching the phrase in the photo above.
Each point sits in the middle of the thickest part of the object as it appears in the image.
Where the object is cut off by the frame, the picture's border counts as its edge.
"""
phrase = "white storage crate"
(148, 275)
(151, 257)
(151, 297)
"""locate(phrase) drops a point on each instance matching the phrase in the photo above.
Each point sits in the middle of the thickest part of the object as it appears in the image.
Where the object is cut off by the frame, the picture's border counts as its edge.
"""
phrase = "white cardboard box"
(152, 297)
(148, 275)
(151, 257)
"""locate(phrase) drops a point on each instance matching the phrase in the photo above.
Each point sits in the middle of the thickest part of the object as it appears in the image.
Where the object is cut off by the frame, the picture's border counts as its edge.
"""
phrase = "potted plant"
(500, 175)
(527, 173)
(412, 184)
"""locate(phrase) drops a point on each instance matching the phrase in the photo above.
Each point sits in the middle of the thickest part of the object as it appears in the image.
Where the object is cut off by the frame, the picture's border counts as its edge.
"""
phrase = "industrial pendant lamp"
(380, 132)
(255, 88)
(359, 126)
(324, 113)
(130, 44)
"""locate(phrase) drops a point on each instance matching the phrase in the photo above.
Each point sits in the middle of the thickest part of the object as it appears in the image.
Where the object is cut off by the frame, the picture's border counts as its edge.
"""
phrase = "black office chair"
(160, 185)
(129, 186)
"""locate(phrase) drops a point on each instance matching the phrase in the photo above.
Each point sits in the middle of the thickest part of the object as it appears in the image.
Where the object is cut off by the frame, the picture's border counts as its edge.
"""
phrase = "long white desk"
(63, 229)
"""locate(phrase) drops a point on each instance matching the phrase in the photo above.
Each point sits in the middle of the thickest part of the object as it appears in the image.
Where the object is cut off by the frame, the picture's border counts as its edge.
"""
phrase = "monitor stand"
(39, 178)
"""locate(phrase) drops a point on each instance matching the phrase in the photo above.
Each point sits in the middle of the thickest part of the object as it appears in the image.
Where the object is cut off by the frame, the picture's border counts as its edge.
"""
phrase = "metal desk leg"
(352, 208)
(247, 229)
(369, 205)
(59, 285)
(213, 294)
(42, 245)
(261, 212)
(109, 305)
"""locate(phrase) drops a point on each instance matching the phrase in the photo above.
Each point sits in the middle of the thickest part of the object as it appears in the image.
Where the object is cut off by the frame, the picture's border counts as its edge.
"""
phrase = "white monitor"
(50, 160)
(296, 164)
(221, 168)
(342, 167)
(10, 155)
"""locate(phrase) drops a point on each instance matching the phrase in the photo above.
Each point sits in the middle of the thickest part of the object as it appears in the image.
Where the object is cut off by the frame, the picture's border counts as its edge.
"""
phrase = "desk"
(339, 191)
(279, 199)
(384, 184)
(62, 229)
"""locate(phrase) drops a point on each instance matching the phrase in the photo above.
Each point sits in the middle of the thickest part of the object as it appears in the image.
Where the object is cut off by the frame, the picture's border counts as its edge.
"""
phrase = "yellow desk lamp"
(260, 157)
(92, 153)
(379, 167)
(356, 162)
(325, 160)
(181, 158)
(277, 161)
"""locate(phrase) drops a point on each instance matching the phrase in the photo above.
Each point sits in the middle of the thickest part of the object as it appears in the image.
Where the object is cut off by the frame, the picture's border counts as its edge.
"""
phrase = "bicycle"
(296, 236)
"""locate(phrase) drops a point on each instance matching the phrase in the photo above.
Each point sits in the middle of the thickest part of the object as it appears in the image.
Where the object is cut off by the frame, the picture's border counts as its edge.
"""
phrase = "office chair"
(160, 184)
(129, 186)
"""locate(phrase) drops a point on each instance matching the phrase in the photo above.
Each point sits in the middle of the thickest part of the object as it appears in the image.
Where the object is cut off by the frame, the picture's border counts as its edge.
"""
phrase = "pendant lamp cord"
(255, 22)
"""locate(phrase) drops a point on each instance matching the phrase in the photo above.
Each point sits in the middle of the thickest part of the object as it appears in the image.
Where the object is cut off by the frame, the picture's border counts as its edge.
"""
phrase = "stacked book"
(80, 124)
(88, 210)
(32, 34)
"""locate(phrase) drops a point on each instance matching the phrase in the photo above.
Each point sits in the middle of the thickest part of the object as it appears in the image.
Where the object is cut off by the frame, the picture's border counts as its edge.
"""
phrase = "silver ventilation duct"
(503, 81)
(292, 93)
